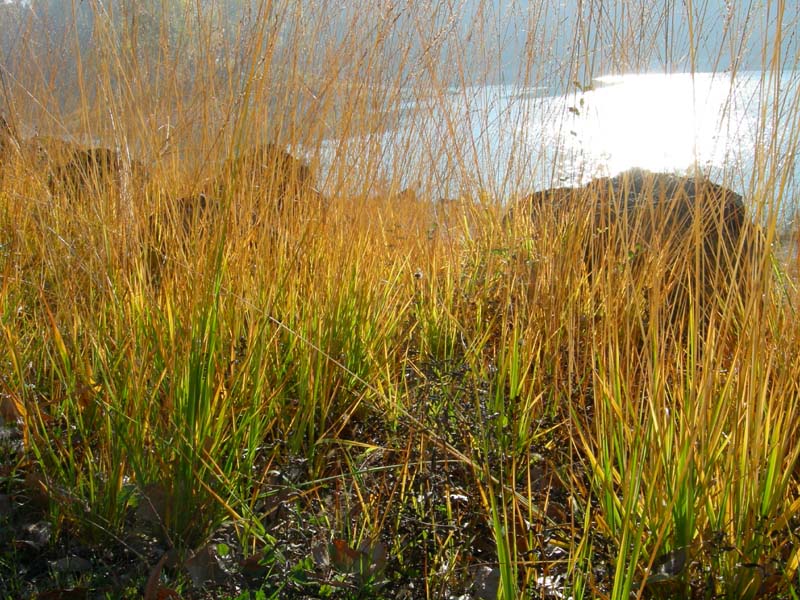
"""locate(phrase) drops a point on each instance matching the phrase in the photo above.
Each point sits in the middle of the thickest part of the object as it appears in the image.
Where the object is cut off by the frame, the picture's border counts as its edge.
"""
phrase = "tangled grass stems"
(352, 385)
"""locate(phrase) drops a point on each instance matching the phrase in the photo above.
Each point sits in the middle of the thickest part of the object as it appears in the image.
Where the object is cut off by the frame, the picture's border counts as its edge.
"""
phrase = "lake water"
(508, 139)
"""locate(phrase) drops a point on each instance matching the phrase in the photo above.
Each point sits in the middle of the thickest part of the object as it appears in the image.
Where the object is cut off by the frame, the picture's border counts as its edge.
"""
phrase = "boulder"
(64, 162)
(657, 208)
(83, 168)
(269, 173)
(182, 219)
(6, 138)
(76, 170)
(9, 142)
(698, 229)
(249, 191)
(71, 169)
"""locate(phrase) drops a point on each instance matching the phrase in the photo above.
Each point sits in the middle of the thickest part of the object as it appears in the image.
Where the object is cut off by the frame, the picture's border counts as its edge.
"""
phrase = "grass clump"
(266, 349)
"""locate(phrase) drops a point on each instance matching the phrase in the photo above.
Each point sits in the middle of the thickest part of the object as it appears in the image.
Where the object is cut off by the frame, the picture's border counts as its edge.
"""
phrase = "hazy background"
(493, 38)
(165, 77)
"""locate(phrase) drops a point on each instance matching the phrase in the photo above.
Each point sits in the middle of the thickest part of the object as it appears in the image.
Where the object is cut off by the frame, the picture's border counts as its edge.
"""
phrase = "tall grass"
(460, 385)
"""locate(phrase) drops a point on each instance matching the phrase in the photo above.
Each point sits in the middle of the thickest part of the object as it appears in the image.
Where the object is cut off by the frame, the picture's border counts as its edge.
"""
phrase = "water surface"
(508, 139)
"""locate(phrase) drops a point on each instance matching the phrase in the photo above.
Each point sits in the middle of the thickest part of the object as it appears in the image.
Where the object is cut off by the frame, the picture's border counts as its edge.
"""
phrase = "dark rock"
(269, 172)
(175, 226)
(192, 211)
(71, 564)
(71, 169)
(6, 137)
(702, 228)
(250, 192)
(85, 167)
(650, 197)
(658, 208)
(9, 142)
(81, 170)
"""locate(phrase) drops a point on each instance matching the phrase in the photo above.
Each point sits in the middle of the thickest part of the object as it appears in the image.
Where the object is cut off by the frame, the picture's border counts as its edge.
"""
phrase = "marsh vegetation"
(252, 347)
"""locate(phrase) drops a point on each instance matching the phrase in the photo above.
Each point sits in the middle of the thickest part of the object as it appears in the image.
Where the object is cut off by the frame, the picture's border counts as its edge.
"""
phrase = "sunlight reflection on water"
(656, 123)
(664, 123)
(508, 140)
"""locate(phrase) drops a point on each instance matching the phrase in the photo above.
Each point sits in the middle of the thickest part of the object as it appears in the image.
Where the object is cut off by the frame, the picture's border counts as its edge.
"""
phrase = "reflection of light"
(646, 121)
(657, 122)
